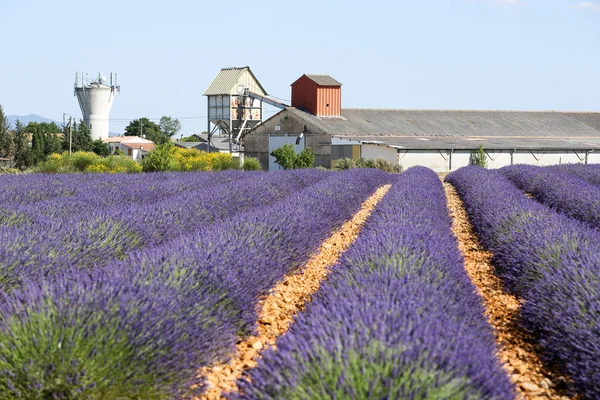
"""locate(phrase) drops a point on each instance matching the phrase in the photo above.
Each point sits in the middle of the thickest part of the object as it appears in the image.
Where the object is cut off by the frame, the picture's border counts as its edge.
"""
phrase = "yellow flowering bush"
(196, 160)
(87, 162)
(97, 168)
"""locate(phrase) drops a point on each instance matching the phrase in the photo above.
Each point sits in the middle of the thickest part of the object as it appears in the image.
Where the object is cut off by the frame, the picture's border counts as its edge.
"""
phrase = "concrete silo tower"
(96, 99)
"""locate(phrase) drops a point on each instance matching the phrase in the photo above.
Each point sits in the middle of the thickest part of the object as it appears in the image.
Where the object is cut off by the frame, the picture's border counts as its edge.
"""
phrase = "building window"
(129, 152)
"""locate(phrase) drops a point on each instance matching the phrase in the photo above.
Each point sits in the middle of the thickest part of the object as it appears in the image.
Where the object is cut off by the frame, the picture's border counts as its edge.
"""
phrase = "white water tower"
(95, 100)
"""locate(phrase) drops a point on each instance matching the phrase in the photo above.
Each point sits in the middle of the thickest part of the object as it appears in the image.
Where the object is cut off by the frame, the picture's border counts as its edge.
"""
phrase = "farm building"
(218, 144)
(132, 146)
(442, 140)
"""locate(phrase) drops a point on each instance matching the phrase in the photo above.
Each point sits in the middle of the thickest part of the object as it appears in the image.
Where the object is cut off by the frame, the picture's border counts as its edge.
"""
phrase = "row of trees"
(159, 133)
(46, 139)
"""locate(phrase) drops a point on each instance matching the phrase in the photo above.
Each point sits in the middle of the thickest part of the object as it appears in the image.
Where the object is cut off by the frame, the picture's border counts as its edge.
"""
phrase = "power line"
(121, 119)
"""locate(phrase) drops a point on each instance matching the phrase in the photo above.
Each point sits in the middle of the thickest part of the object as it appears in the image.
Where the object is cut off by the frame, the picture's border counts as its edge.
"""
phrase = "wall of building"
(322, 101)
(433, 159)
(373, 151)
(329, 101)
(304, 95)
(445, 160)
(256, 144)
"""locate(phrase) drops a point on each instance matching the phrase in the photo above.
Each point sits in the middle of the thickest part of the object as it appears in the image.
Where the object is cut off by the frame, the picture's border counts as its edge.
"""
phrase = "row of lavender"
(141, 327)
(549, 260)
(397, 318)
(565, 188)
(65, 223)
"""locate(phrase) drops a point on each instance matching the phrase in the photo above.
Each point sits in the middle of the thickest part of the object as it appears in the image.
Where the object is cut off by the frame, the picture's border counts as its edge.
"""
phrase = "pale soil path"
(503, 311)
(284, 301)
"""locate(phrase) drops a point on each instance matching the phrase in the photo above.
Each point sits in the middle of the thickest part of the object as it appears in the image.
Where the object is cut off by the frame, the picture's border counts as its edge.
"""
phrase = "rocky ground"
(279, 307)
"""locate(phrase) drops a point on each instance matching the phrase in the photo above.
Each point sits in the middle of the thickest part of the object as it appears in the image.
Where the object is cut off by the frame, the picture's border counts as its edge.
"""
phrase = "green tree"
(81, 138)
(288, 159)
(52, 143)
(100, 148)
(6, 140)
(305, 159)
(169, 126)
(22, 152)
(162, 158)
(37, 142)
(145, 128)
(193, 138)
(478, 157)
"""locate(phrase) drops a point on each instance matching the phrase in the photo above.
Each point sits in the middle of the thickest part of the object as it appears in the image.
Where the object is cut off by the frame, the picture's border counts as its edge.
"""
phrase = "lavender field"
(125, 286)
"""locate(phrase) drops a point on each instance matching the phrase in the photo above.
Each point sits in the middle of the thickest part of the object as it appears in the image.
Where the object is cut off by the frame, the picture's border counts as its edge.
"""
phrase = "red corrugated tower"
(320, 95)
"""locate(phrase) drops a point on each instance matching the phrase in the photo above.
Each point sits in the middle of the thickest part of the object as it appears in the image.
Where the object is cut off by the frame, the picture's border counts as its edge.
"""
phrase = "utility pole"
(70, 134)
(141, 128)
(68, 126)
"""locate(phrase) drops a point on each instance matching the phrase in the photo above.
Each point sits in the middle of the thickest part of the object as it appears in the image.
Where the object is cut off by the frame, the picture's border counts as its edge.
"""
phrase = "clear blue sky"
(454, 54)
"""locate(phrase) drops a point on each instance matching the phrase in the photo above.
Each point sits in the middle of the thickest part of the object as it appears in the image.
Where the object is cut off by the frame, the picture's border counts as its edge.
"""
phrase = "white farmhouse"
(132, 146)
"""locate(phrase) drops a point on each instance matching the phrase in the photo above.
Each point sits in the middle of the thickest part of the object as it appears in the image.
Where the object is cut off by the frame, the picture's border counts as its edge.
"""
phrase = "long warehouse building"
(442, 140)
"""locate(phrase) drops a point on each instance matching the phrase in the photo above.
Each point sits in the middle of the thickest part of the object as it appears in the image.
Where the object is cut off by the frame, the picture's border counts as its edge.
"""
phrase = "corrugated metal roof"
(447, 123)
(460, 143)
(323, 80)
(228, 80)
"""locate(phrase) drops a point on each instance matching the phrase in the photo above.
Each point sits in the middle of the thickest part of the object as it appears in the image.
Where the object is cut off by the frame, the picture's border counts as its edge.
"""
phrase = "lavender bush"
(588, 172)
(397, 318)
(548, 259)
(86, 229)
(140, 327)
(558, 190)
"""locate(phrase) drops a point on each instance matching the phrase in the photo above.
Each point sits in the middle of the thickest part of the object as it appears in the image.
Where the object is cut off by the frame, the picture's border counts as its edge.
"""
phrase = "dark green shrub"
(285, 156)
(251, 164)
(478, 157)
(387, 166)
(379, 163)
(365, 163)
(162, 158)
(305, 159)
(100, 148)
(345, 164)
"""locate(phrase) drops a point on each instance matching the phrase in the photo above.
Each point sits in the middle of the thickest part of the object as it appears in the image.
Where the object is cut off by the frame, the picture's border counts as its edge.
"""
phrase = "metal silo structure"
(95, 100)
(235, 103)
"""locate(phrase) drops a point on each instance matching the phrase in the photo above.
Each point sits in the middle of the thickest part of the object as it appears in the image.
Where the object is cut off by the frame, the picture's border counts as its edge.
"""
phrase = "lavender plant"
(558, 190)
(140, 327)
(84, 231)
(588, 172)
(548, 259)
(109, 334)
(397, 318)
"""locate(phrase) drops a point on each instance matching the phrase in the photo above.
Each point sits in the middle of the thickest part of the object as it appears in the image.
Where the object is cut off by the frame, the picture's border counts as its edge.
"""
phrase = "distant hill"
(25, 119)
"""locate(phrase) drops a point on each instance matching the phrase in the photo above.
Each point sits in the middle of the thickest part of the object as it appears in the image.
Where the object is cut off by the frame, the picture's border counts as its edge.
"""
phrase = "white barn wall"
(497, 158)
(442, 161)
(430, 159)
(373, 151)
(460, 158)
(594, 158)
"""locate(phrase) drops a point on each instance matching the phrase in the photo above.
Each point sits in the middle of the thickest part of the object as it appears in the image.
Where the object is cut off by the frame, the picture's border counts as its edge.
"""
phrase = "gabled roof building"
(439, 139)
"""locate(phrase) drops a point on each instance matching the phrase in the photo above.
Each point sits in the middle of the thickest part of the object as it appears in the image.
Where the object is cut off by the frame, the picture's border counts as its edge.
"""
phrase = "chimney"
(320, 95)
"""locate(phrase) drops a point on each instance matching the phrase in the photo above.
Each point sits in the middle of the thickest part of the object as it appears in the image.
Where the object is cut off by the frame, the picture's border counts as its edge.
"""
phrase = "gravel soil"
(278, 308)
(516, 351)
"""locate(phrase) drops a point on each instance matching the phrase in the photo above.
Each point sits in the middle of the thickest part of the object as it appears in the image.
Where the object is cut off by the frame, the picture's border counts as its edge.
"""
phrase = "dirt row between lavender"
(516, 350)
(278, 309)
